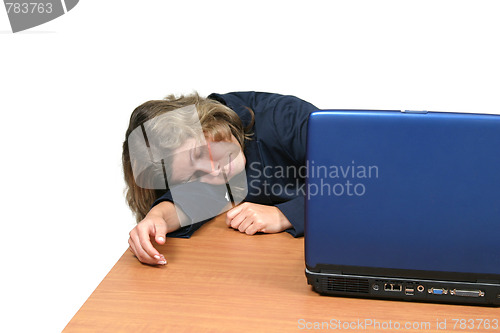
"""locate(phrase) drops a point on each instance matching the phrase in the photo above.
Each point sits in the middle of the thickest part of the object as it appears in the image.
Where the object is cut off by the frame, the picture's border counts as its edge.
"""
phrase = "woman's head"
(189, 151)
(208, 161)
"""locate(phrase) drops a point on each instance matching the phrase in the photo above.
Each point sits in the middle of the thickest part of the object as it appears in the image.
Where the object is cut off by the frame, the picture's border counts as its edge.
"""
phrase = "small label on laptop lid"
(414, 111)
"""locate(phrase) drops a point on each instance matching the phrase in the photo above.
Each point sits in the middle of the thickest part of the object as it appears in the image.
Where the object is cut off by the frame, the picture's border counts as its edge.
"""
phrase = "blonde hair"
(218, 122)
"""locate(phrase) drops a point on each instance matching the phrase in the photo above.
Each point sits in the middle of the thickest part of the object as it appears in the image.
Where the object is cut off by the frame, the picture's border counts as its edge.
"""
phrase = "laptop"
(404, 205)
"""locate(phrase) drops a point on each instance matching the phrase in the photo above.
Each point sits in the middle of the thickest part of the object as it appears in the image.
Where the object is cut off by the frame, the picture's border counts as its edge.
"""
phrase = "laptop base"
(405, 289)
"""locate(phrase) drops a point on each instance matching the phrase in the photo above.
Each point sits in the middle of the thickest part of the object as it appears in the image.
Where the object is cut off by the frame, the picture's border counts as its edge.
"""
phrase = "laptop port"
(393, 287)
(438, 291)
(420, 288)
(467, 293)
(409, 291)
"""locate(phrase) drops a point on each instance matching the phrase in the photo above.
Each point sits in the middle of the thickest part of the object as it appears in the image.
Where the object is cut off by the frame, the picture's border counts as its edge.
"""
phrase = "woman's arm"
(161, 219)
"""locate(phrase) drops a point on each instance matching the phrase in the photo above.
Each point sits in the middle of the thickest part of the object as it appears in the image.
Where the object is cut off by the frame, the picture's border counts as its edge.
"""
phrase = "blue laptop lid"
(404, 192)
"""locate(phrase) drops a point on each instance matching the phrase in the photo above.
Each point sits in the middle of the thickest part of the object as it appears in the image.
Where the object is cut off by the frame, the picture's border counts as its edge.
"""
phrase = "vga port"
(438, 291)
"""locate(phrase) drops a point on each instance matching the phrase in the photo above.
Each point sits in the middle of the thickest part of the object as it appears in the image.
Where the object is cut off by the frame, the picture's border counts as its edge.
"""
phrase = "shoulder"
(280, 120)
(266, 105)
(255, 98)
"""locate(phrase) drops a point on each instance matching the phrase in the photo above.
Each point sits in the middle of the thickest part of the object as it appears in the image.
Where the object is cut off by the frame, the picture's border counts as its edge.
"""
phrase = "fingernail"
(162, 262)
(161, 239)
(157, 256)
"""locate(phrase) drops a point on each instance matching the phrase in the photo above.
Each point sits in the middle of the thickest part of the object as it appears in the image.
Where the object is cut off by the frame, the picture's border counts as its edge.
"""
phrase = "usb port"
(409, 291)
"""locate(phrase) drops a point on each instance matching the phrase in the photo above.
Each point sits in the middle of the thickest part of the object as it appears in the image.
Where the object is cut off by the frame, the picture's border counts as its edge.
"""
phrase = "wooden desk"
(223, 281)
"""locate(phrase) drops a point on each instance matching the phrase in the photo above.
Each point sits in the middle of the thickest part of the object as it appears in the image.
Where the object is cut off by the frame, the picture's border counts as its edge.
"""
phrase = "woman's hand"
(140, 240)
(161, 219)
(251, 218)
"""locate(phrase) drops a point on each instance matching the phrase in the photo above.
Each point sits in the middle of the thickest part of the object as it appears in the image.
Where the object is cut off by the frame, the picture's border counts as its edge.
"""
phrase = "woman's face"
(207, 162)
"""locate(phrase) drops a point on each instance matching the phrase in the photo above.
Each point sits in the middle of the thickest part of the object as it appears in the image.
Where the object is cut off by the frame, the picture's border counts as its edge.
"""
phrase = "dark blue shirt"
(275, 156)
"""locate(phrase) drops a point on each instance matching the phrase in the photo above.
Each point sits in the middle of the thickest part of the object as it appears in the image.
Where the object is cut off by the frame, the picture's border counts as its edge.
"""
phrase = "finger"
(131, 242)
(233, 212)
(254, 228)
(251, 230)
(235, 222)
(145, 242)
(131, 247)
(142, 255)
(160, 232)
(245, 224)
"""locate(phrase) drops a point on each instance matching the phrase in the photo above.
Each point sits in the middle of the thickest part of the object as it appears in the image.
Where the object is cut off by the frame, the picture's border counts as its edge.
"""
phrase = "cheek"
(240, 161)
(219, 154)
(207, 179)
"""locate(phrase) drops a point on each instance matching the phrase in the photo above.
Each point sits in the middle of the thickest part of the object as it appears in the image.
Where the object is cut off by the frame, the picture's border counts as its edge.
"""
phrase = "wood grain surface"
(220, 280)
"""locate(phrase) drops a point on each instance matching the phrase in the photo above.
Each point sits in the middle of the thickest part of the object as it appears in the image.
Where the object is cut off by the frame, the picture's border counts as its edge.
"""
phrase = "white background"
(67, 89)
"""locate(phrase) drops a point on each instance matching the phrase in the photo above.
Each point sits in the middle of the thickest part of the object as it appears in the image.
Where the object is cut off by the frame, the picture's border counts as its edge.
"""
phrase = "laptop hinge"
(488, 281)
(330, 271)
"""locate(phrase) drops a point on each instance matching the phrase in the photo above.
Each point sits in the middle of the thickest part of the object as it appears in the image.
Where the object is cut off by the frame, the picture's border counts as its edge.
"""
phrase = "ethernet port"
(393, 287)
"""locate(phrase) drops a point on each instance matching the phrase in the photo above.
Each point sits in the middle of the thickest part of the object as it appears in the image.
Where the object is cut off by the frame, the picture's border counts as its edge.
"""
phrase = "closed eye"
(200, 152)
